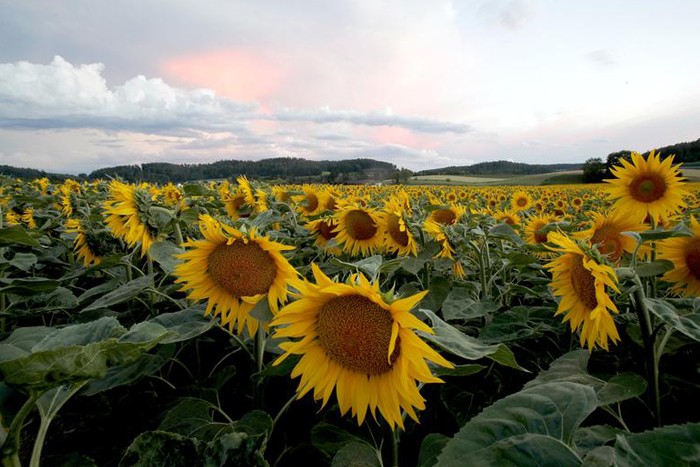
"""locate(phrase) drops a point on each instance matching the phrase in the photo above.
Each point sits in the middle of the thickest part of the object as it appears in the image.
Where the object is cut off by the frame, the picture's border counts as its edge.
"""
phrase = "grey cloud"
(385, 118)
(602, 58)
(515, 13)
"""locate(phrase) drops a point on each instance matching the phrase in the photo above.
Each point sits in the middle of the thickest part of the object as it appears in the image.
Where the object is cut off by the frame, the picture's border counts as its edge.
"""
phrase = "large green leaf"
(571, 367)
(164, 253)
(16, 235)
(28, 285)
(520, 322)
(461, 305)
(532, 427)
(669, 446)
(456, 342)
(688, 324)
(123, 293)
(185, 324)
(430, 448)
(42, 358)
(331, 438)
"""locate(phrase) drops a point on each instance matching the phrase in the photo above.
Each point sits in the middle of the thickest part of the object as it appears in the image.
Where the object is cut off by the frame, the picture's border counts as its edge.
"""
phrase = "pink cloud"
(242, 73)
(401, 136)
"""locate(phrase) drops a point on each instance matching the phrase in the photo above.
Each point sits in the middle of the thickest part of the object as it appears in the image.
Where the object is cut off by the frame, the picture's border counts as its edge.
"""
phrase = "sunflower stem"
(259, 354)
(395, 435)
(177, 232)
(651, 362)
(10, 450)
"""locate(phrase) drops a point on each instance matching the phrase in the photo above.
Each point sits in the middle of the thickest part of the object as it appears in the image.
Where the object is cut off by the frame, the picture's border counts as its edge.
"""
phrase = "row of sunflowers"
(202, 315)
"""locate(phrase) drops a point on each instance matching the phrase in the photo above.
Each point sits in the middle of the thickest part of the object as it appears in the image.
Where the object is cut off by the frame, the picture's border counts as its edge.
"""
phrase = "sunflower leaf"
(688, 324)
(16, 235)
(671, 445)
(430, 448)
(164, 253)
(125, 292)
(532, 427)
(456, 342)
(357, 454)
(653, 268)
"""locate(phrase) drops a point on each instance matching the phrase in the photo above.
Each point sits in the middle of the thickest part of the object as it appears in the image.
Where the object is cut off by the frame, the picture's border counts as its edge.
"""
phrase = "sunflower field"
(242, 323)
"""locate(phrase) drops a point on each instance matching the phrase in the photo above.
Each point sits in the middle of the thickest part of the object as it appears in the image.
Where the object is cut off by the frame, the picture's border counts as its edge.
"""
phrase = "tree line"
(595, 170)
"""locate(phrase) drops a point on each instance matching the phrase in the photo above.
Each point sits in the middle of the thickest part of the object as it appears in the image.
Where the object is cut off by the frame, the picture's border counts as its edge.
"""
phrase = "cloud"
(376, 118)
(515, 13)
(60, 95)
(601, 58)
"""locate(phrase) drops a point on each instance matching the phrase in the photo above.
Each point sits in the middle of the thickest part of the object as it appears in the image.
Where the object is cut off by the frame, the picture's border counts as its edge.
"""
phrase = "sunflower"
(606, 232)
(447, 216)
(27, 217)
(397, 236)
(323, 230)
(352, 339)
(521, 201)
(684, 253)
(127, 215)
(437, 232)
(650, 186)
(508, 216)
(172, 195)
(235, 204)
(233, 271)
(81, 244)
(359, 230)
(309, 203)
(536, 228)
(581, 283)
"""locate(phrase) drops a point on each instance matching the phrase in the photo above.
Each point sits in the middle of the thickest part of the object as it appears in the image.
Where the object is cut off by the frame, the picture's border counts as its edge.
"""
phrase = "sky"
(86, 84)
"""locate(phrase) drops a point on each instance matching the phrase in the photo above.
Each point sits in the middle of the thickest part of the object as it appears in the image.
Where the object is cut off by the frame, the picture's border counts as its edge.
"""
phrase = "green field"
(552, 178)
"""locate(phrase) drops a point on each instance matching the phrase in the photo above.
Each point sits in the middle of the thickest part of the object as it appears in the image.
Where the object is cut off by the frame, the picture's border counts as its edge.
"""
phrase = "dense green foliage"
(500, 167)
(287, 168)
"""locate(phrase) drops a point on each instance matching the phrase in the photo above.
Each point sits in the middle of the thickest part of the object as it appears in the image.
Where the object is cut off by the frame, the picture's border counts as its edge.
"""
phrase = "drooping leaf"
(532, 427)
(28, 285)
(121, 294)
(331, 438)
(668, 446)
(456, 342)
(688, 324)
(185, 324)
(164, 253)
(17, 235)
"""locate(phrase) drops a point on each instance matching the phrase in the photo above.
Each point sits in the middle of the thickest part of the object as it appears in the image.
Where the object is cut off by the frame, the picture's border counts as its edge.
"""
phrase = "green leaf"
(72, 354)
(620, 388)
(680, 230)
(413, 265)
(330, 438)
(125, 292)
(357, 454)
(459, 370)
(505, 231)
(193, 189)
(164, 253)
(162, 448)
(430, 448)
(24, 261)
(460, 305)
(687, 324)
(16, 235)
(262, 312)
(28, 286)
(590, 437)
(192, 417)
(456, 342)
(671, 445)
(532, 427)
(520, 322)
(147, 364)
(159, 217)
(370, 266)
(570, 367)
(654, 268)
(185, 324)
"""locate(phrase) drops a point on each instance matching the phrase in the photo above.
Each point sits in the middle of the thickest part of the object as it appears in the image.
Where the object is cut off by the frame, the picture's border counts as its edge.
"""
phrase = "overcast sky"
(86, 84)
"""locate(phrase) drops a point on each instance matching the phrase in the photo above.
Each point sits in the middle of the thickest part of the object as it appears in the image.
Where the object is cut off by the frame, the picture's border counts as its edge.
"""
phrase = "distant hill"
(30, 174)
(290, 169)
(501, 167)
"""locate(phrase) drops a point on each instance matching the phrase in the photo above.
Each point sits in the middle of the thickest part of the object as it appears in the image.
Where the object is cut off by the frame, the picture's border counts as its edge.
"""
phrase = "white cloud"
(61, 95)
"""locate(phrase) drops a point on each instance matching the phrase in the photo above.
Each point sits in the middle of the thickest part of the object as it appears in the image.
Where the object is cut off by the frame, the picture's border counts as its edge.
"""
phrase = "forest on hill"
(298, 170)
